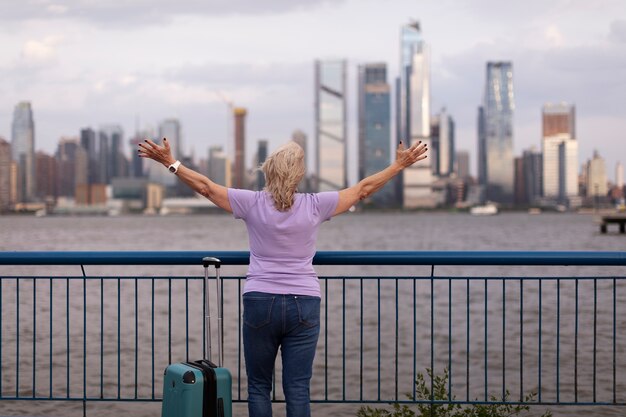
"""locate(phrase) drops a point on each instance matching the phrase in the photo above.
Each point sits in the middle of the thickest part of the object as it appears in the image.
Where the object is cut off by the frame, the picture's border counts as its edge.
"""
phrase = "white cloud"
(554, 36)
(145, 12)
(57, 9)
(40, 52)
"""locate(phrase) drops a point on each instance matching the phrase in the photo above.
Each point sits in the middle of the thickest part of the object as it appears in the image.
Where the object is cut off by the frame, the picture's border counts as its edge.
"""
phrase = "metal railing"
(500, 324)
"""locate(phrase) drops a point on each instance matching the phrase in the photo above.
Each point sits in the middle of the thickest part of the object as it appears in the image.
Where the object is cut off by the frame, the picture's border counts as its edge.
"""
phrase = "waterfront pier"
(619, 219)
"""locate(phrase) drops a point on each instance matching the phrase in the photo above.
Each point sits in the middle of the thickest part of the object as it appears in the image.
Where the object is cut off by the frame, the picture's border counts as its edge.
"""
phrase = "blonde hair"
(283, 170)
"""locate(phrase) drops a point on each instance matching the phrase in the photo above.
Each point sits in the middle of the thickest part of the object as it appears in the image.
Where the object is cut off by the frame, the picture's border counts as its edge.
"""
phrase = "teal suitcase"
(200, 388)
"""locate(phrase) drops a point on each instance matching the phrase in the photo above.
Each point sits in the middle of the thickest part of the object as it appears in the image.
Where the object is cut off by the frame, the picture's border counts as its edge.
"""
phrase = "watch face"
(172, 169)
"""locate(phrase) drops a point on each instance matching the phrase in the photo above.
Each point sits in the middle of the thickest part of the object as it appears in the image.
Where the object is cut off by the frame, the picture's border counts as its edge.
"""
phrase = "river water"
(500, 348)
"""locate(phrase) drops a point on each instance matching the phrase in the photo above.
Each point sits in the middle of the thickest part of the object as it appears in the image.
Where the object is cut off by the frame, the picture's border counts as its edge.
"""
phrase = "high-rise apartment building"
(239, 169)
(596, 176)
(136, 162)
(331, 125)
(560, 152)
(619, 175)
(462, 164)
(23, 149)
(413, 114)
(495, 133)
(5, 175)
(261, 156)
(528, 177)
(171, 129)
(442, 144)
(300, 138)
(374, 115)
(47, 178)
(71, 166)
(113, 163)
(88, 142)
(219, 166)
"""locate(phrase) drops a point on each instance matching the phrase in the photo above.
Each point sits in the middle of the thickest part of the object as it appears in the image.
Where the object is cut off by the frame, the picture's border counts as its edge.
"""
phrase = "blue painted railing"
(549, 323)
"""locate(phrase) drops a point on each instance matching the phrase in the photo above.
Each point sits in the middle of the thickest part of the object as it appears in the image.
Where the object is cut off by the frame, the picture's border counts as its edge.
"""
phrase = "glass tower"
(442, 153)
(374, 128)
(23, 149)
(495, 133)
(414, 113)
(331, 124)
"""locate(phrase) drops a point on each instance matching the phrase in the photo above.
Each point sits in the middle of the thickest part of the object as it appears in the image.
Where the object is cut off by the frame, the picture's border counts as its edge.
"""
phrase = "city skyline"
(56, 52)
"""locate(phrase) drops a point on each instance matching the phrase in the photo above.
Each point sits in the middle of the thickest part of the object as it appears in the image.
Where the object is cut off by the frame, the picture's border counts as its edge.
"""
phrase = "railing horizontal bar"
(321, 258)
(326, 277)
(331, 401)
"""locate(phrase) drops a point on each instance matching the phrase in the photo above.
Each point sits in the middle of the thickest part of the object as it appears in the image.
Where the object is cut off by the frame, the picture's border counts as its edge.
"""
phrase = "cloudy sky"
(136, 62)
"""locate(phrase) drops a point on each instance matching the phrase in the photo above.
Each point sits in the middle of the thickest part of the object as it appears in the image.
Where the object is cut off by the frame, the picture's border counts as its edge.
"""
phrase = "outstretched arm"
(368, 186)
(218, 194)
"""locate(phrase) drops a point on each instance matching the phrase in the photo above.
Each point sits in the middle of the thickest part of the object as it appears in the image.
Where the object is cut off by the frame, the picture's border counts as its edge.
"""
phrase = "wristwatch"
(174, 167)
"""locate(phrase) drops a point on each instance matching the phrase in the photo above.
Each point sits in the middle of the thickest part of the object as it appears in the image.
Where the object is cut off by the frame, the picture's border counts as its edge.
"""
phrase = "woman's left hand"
(407, 157)
(161, 154)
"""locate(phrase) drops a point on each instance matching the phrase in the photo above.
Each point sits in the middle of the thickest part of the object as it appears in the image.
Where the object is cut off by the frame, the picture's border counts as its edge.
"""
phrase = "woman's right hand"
(407, 157)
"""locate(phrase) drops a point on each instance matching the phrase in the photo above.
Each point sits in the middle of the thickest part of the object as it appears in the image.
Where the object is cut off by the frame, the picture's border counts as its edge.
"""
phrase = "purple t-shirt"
(282, 243)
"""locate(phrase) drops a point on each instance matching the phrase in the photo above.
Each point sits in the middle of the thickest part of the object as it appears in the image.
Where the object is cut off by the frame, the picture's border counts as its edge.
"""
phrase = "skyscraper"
(170, 129)
(47, 178)
(331, 125)
(71, 166)
(88, 142)
(442, 137)
(414, 113)
(261, 156)
(23, 149)
(596, 176)
(560, 152)
(5, 175)
(111, 151)
(528, 177)
(495, 133)
(219, 166)
(136, 163)
(300, 138)
(619, 175)
(239, 172)
(462, 164)
(375, 128)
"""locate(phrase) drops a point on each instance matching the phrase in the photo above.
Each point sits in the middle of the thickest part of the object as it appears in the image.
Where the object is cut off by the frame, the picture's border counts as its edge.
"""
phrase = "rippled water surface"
(369, 231)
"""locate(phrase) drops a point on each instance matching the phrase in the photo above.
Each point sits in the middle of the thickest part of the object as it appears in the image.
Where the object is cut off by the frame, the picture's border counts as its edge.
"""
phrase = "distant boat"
(484, 210)
(534, 210)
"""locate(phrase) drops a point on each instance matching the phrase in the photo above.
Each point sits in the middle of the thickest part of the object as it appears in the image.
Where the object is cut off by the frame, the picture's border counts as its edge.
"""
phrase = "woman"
(282, 294)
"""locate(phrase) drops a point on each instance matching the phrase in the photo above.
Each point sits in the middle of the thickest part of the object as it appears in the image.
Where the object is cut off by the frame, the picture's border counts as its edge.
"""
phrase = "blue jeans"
(291, 322)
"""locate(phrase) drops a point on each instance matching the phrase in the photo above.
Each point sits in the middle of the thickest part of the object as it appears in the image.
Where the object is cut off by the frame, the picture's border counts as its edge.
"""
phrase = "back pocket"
(308, 310)
(257, 311)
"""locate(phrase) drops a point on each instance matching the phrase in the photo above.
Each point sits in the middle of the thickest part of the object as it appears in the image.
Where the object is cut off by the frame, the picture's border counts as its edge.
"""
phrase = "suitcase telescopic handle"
(206, 262)
(210, 261)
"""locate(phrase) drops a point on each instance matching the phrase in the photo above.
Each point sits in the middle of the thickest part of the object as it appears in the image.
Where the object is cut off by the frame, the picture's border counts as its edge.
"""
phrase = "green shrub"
(440, 393)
